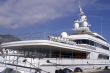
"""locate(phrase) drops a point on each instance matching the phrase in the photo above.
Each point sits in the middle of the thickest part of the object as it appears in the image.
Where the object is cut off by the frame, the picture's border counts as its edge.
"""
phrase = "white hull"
(56, 64)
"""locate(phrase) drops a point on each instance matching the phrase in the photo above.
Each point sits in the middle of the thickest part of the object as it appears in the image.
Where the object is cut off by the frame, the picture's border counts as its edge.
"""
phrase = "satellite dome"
(76, 25)
(83, 18)
(85, 24)
(64, 34)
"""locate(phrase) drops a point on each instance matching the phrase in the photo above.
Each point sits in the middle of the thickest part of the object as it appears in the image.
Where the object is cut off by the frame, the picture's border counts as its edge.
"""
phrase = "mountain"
(8, 38)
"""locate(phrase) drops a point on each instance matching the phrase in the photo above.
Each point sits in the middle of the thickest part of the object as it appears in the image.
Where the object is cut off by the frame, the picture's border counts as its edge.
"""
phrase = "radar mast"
(81, 10)
(81, 25)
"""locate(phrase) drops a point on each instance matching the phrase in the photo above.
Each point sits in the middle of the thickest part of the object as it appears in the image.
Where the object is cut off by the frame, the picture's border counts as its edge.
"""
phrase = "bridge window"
(92, 43)
(103, 57)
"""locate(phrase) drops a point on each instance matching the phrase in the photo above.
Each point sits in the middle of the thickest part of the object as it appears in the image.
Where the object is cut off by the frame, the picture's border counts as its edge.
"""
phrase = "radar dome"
(85, 24)
(83, 18)
(64, 34)
(76, 25)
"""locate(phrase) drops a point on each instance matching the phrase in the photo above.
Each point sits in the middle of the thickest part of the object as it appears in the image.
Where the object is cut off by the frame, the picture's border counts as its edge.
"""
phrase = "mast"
(81, 25)
(81, 10)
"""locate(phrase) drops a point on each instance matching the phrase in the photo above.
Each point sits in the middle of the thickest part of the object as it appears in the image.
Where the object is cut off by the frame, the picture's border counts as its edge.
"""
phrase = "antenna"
(81, 10)
(101, 25)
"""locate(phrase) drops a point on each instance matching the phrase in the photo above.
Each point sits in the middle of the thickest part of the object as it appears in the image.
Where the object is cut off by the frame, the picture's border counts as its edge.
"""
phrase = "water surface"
(103, 71)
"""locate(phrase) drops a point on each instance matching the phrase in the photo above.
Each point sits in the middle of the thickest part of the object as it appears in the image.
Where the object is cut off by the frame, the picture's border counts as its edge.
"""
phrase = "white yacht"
(82, 51)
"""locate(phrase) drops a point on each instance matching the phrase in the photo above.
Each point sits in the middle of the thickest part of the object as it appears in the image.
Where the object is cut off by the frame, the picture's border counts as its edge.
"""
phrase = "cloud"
(23, 13)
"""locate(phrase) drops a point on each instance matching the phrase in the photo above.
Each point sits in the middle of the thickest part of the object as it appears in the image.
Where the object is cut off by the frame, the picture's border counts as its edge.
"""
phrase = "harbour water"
(103, 71)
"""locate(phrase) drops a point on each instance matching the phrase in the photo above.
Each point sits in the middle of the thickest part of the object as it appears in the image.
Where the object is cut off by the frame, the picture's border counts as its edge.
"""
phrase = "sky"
(30, 17)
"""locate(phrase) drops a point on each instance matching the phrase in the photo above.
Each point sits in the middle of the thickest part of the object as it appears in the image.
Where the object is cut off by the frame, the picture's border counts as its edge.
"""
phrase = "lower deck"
(29, 65)
(49, 58)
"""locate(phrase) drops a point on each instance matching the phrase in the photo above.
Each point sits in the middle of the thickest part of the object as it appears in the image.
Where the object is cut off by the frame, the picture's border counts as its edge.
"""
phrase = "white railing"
(62, 40)
(87, 46)
(79, 61)
(10, 59)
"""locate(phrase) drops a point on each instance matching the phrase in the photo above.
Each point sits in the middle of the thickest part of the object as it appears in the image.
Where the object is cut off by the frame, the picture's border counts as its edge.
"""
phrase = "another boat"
(67, 53)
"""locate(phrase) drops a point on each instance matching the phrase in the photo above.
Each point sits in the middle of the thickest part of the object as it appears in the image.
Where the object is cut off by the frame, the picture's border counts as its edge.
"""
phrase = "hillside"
(8, 38)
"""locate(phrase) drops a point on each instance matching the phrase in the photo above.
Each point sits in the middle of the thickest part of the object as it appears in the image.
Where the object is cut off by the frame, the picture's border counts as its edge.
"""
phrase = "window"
(92, 43)
(103, 57)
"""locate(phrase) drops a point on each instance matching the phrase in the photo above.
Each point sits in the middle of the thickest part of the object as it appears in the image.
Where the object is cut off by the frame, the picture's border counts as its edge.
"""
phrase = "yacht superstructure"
(66, 53)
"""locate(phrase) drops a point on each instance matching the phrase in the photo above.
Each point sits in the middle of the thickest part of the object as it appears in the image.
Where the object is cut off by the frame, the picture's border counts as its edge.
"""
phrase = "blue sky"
(28, 17)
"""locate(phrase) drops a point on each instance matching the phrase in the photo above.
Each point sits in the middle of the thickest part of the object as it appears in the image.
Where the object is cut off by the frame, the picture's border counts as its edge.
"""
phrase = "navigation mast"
(81, 25)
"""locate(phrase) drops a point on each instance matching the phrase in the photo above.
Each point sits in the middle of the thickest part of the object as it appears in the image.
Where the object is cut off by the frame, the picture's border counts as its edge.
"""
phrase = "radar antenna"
(81, 25)
(81, 10)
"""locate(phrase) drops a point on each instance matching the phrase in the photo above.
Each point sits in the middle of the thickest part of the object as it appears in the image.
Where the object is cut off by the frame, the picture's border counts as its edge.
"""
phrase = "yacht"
(80, 51)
